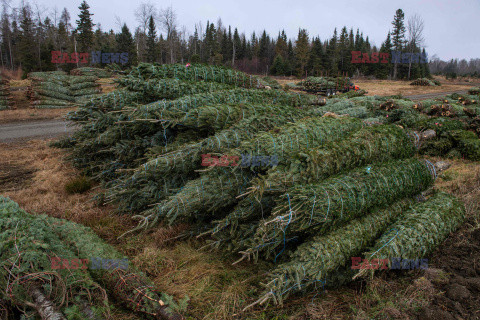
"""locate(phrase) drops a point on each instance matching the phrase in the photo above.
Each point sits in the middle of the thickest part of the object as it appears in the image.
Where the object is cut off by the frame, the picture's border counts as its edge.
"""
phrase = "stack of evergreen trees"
(93, 72)
(56, 89)
(47, 268)
(424, 82)
(5, 100)
(325, 189)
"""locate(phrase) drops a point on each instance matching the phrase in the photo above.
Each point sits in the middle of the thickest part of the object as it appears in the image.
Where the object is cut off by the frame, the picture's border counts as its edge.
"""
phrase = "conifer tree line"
(29, 36)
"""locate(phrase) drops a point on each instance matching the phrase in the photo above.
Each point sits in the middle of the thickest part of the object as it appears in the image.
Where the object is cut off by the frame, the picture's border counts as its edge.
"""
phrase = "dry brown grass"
(107, 84)
(390, 87)
(11, 74)
(46, 193)
(20, 83)
(378, 298)
(32, 114)
(463, 180)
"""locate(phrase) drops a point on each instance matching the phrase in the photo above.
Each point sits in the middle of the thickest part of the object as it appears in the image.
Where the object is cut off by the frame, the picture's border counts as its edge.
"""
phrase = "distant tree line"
(455, 67)
(28, 36)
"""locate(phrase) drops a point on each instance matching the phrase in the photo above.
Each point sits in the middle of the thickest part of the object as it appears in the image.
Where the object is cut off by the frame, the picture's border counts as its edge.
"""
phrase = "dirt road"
(27, 130)
(425, 96)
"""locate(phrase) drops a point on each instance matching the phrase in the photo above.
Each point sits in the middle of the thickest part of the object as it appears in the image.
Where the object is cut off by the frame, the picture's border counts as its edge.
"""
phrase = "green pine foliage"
(313, 262)
(30, 242)
(368, 145)
(139, 189)
(318, 208)
(420, 229)
(51, 90)
(309, 132)
(151, 41)
(319, 84)
(85, 27)
(93, 73)
(424, 82)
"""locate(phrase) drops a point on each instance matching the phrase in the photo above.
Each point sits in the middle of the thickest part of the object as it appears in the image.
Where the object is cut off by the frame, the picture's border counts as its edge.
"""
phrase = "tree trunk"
(138, 53)
(410, 63)
(45, 307)
(10, 49)
(75, 49)
(1, 55)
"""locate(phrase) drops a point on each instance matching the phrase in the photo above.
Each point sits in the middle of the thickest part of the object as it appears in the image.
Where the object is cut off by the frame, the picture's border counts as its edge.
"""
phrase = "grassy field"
(35, 175)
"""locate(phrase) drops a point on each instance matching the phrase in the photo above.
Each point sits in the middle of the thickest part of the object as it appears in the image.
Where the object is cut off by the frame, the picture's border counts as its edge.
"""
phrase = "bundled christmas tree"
(419, 230)
(45, 261)
(319, 208)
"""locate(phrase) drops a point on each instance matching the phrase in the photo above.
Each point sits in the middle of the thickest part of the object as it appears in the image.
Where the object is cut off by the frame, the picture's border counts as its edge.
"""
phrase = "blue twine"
(386, 243)
(285, 229)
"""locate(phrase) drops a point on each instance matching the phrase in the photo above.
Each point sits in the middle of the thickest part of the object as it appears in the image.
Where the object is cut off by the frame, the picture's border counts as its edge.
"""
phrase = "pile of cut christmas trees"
(322, 84)
(425, 82)
(5, 100)
(474, 90)
(455, 119)
(93, 72)
(56, 89)
(48, 269)
(265, 173)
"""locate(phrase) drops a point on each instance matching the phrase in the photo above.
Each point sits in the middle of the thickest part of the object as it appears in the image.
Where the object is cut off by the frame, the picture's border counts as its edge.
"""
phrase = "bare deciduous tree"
(118, 22)
(65, 19)
(415, 36)
(143, 13)
(168, 21)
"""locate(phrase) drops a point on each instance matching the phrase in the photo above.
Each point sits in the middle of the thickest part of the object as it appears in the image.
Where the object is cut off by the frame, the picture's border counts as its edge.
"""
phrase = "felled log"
(44, 306)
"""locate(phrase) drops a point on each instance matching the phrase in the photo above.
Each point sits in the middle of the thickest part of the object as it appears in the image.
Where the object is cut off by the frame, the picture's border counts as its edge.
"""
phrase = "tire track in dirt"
(10, 132)
(425, 96)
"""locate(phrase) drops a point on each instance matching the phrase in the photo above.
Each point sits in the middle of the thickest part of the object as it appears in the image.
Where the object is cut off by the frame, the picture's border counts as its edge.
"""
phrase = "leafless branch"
(143, 13)
(415, 27)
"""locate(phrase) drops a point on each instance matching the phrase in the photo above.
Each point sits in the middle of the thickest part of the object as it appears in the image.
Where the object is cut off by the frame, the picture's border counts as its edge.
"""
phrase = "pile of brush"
(466, 101)
(424, 82)
(388, 105)
(474, 91)
(444, 110)
(321, 84)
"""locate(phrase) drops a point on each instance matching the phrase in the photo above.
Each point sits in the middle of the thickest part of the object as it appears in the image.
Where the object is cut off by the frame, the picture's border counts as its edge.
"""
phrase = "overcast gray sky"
(452, 28)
